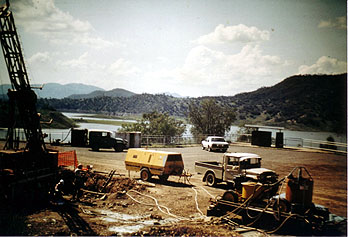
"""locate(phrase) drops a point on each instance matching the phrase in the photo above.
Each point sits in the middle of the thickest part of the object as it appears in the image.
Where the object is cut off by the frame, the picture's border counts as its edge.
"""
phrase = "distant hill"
(305, 101)
(315, 102)
(99, 93)
(56, 90)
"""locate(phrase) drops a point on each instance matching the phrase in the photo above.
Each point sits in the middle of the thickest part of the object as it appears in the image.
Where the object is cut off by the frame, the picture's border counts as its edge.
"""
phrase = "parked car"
(105, 139)
(234, 169)
(214, 143)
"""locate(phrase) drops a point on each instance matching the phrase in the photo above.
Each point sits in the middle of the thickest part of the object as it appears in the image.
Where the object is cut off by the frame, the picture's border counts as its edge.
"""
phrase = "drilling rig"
(26, 171)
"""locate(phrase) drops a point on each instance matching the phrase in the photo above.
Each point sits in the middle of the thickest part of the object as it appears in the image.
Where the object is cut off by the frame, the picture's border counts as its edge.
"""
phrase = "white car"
(214, 143)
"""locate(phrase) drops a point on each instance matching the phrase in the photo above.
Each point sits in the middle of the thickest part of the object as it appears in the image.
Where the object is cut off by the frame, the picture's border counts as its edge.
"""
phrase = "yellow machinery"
(151, 162)
(252, 189)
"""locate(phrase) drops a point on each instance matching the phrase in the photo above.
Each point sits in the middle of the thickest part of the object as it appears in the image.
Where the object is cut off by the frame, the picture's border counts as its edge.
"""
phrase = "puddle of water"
(115, 216)
(127, 224)
(125, 229)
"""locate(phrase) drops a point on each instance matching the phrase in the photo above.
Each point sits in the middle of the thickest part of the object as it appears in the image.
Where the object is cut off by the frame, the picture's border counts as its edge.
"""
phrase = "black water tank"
(261, 138)
(279, 140)
(79, 137)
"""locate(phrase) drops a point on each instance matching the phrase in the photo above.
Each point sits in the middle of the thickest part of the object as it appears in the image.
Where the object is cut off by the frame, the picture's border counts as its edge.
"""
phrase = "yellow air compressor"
(151, 162)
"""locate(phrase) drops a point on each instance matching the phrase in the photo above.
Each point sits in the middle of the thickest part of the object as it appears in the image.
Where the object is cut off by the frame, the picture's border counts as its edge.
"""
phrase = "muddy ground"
(182, 207)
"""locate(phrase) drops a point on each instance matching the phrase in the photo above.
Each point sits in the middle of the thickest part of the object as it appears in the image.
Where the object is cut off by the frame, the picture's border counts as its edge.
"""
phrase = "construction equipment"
(151, 162)
(259, 205)
(28, 171)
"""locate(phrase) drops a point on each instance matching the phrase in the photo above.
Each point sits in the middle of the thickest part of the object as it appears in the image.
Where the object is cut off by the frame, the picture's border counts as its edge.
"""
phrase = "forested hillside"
(99, 93)
(137, 104)
(316, 102)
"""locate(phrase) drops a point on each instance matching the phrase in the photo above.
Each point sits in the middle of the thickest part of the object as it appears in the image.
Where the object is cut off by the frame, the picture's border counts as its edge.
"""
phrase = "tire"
(95, 148)
(145, 174)
(209, 149)
(210, 180)
(118, 148)
(203, 148)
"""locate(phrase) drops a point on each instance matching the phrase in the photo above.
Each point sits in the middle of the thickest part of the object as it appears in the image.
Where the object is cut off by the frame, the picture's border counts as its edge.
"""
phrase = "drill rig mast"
(30, 172)
(21, 96)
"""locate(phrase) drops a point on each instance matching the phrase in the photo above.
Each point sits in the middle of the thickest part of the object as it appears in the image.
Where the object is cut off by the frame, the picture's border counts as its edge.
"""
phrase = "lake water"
(291, 138)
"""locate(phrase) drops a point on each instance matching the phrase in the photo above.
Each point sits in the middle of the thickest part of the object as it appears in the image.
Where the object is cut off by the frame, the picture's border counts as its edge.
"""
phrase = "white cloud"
(237, 33)
(122, 67)
(40, 57)
(338, 23)
(211, 72)
(42, 17)
(324, 65)
(207, 65)
(80, 62)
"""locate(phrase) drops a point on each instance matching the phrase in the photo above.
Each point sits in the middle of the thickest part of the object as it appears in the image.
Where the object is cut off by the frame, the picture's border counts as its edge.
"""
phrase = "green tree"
(210, 118)
(155, 123)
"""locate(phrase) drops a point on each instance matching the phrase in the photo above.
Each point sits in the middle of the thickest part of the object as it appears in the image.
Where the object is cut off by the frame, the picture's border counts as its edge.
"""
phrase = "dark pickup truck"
(105, 139)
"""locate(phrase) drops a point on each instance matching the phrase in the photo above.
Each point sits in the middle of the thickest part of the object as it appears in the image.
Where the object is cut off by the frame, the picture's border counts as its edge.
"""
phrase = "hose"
(280, 226)
(247, 203)
(158, 206)
(197, 207)
(207, 192)
(164, 207)
(66, 136)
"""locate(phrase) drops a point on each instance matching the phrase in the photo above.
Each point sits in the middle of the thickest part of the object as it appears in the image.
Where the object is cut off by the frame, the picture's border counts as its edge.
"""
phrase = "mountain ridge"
(55, 90)
(316, 102)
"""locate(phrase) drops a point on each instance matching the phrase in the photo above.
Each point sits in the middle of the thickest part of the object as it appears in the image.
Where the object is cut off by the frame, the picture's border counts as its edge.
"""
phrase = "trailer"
(151, 162)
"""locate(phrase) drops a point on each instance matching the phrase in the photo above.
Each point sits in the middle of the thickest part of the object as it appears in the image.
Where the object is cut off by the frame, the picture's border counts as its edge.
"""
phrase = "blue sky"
(191, 47)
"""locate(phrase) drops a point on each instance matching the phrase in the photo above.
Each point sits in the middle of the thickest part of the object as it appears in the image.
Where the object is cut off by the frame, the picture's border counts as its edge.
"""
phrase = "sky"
(189, 47)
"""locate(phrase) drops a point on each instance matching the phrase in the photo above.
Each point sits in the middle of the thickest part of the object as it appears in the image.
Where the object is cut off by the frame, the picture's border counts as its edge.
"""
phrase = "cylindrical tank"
(79, 137)
(251, 188)
(299, 190)
(279, 140)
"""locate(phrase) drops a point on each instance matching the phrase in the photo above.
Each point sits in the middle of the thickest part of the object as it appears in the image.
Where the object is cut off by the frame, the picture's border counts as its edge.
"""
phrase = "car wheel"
(145, 175)
(118, 148)
(210, 180)
(209, 149)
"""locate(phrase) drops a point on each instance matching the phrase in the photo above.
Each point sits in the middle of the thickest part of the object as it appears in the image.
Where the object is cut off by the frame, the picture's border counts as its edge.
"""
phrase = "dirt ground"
(182, 207)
